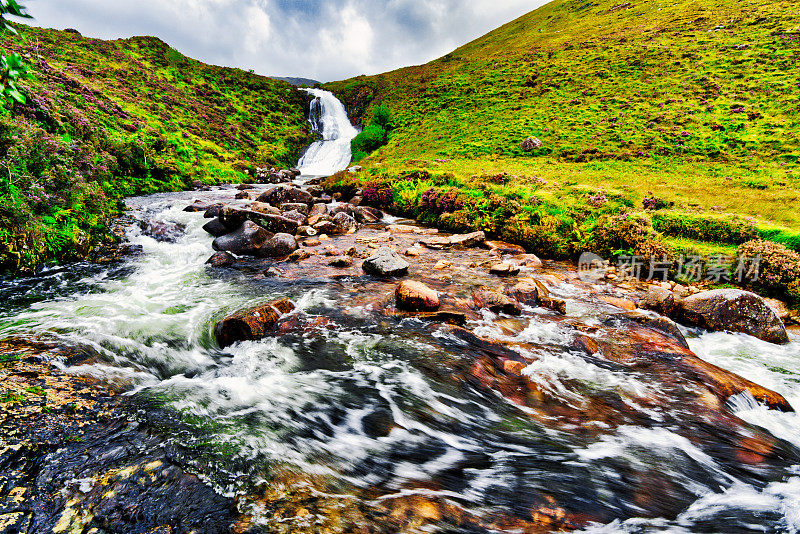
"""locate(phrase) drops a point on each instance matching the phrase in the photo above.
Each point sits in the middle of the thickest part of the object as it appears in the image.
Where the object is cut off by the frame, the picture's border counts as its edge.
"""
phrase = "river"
(377, 408)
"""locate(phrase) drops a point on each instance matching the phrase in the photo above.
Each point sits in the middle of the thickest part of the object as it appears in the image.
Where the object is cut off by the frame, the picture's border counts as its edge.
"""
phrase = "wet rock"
(295, 216)
(525, 292)
(325, 227)
(458, 241)
(296, 206)
(318, 209)
(497, 302)
(386, 262)
(198, 206)
(342, 262)
(780, 309)
(356, 200)
(306, 231)
(441, 265)
(401, 228)
(554, 304)
(659, 300)
(162, 231)
(215, 227)
(501, 247)
(625, 304)
(245, 187)
(299, 255)
(251, 325)
(416, 296)
(221, 259)
(242, 195)
(283, 194)
(413, 252)
(312, 243)
(233, 217)
(733, 310)
(504, 269)
(668, 327)
(246, 240)
(278, 246)
(378, 423)
(213, 211)
(344, 223)
(261, 207)
(295, 172)
(367, 215)
(315, 190)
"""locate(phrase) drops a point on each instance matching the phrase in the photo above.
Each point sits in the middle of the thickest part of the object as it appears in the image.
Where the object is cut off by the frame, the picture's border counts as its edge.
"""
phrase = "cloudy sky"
(321, 39)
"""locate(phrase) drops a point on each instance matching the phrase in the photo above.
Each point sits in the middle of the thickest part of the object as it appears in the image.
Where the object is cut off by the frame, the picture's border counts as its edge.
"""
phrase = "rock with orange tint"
(252, 324)
(416, 296)
(525, 292)
(502, 247)
(497, 302)
(625, 304)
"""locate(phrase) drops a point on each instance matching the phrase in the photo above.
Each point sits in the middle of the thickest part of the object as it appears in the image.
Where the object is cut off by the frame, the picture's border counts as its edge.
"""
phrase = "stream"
(379, 417)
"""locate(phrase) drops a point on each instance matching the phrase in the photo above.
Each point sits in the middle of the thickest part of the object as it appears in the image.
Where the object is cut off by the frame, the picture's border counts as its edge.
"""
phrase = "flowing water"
(378, 408)
(329, 120)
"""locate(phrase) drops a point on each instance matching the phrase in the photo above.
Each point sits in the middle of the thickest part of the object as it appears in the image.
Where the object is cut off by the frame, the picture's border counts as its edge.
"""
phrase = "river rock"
(318, 209)
(279, 246)
(733, 310)
(497, 302)
(525, 292)
(284, 193)
(415, 296)
(295, 216)
(659, 300)
(252, 324)
(504, 269)
(501, 247)
(162, 231)
(245, 187)
(325, 227)
(197, 206)
(247, 239)
(232, 217)
(367, 215)
(345, 224)
(242, 195)
(296, 206)
(386, 262)
(263, 207)
(221, 259)
(215, 227)
(668, 327)
(213, 211)
(342, 261)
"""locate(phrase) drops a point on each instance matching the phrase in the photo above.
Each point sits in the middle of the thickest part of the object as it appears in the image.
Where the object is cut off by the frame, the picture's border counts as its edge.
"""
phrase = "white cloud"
(326, 40)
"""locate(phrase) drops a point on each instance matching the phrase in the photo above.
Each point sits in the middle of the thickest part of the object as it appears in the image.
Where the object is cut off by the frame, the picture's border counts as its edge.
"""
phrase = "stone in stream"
(386, 262)
(318, 209)
(367, 215)
(295, 206)
(497, 302)
(245, 187)
(733, 310)
(213, 211)
(283, 194)
(415, 296)
(261, 207)
(460, 241)
(525, 292)
(659, 300)
(246, 240)
(501, 247)
(344, 223)
(162, 231)
(233, 217)
(295, 216)
(215, 227)
(342, 261)
(242, 195)
(279, 246)
(199, 205)
(504, 269)
(221, 259)
(251, 325)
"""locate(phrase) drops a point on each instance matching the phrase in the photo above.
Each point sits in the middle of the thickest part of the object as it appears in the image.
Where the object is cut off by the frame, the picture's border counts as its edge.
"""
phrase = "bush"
(378, 194)
(714, 228)
(779, 269)
(613, 235)
(788, 238)
(374, 135)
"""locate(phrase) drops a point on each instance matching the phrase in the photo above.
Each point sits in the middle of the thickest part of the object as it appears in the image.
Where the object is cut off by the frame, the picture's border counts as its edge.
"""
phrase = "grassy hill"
(106, 119)
(684, 107)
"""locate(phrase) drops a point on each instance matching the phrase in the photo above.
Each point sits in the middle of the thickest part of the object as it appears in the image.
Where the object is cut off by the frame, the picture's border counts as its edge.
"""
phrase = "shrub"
(713, 228)
(788, 238)
(624, 233)
(779, 269)
(374, 135)
(378, 194)
(436, 201)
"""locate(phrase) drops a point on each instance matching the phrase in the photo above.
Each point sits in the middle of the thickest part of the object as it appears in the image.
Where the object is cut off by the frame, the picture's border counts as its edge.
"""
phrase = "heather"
(107, 119)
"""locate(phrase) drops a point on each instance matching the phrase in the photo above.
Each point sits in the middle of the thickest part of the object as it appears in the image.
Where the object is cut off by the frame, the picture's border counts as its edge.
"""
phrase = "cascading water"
(390, 408)
(329, 119)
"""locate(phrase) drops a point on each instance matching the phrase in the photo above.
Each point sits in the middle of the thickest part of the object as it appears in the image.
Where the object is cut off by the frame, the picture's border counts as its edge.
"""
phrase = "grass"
(109, 119)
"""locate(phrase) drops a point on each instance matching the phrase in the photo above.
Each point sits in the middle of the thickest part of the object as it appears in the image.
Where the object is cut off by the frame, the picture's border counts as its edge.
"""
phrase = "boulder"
(386, 262)
(252, 324)
(733, 310)
(504, 269)
(295, 216)
(324, 227)
(233, 217)
(221, 259)
(345, 224)
(215, 227)
(199, 205)
(213, 211)
(296, 206)
(247, 239)
(162, 231)
(318, 209)
(659, 300)
(342, 262)
(261, 207)
(530, 144)
(242, 195)
(245, 187)
(468, 240)
(668, 327)
(501, 247)
(367, 215)
(415, 296)
(497, 302)
(525, 292)
(284, 193)
(279, 246)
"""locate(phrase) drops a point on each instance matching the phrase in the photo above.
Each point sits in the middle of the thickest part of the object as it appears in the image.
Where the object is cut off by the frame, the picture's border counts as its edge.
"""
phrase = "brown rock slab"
(252, 324)
(416, 296)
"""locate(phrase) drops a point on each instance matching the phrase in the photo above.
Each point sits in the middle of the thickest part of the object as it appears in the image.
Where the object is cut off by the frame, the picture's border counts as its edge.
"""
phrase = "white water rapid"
(329, 119)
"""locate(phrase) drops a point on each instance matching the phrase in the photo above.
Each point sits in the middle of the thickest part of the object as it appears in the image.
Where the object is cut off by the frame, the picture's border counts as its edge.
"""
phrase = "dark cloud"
(321, 39)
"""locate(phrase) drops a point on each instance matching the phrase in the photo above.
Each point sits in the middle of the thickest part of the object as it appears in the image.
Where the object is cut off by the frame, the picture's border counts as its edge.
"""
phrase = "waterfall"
(329, 119)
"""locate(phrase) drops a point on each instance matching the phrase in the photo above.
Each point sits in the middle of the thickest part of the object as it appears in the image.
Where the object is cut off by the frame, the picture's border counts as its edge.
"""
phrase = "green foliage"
(714, 228)
(108, 119)
(786, 237)
(14, 9)
(12, 70)
(374, 136)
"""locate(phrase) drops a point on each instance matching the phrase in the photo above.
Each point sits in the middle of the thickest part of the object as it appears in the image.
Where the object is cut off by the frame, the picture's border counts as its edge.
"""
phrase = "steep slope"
(713, 80)
(105, 119)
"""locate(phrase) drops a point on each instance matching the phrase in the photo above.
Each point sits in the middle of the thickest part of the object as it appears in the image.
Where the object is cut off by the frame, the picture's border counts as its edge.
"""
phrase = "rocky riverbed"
(329, 368)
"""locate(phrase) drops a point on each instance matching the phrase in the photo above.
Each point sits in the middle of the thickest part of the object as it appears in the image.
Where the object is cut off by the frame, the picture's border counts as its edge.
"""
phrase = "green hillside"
(685, 114)
(106, 119)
